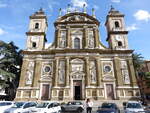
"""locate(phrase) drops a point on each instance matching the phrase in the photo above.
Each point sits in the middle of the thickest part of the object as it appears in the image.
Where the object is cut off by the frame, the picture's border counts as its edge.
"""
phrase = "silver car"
(74, 106)
(21, 107)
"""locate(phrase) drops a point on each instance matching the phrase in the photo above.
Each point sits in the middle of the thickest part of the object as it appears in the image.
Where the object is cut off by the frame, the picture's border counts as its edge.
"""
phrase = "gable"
(77, 17)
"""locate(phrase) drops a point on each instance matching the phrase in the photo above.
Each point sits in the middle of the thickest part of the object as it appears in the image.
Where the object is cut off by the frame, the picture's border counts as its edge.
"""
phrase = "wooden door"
(109, 91)
(45, 92)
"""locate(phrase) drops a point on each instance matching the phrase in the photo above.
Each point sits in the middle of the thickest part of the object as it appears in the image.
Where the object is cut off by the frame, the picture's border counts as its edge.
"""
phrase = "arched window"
(36, 25)
(77, 43)
(34, 44)
(119, 43)
(116, 24)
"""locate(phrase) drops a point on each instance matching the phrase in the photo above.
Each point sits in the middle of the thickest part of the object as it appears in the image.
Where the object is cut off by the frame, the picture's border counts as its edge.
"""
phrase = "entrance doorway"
(45, 92)
(109, 91)
(77, 90)
(77, 93)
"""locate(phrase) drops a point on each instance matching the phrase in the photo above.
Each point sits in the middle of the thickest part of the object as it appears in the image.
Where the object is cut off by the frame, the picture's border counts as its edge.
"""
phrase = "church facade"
(77, 65)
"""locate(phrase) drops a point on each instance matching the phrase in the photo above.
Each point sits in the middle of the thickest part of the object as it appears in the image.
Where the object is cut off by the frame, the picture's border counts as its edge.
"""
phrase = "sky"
(14, 19)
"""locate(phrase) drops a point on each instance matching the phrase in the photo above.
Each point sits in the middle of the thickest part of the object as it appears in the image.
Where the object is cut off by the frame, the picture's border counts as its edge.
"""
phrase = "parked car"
(5, 105)
(21, 107)
(47, 107)
(73, 107)
(108, 108)
(133, 106)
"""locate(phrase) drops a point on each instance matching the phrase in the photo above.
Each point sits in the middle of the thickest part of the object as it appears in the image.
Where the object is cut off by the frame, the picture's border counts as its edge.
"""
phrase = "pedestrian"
(89, 105)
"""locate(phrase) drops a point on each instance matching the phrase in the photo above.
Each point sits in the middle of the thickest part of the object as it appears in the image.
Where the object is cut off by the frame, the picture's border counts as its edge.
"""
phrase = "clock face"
(34, 39)
(118, 38)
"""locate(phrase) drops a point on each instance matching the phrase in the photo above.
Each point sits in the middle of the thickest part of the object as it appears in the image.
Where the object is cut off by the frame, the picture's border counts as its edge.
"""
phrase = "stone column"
(85, 37)
(68, 38)
(96, 37)
(87, 72)
(132, 74)
(99, 71)
(117, 71)
(67, 71)
(56, 72)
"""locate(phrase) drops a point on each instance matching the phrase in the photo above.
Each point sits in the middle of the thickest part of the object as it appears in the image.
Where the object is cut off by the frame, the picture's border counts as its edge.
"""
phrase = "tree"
(137, 61)
(10, 65)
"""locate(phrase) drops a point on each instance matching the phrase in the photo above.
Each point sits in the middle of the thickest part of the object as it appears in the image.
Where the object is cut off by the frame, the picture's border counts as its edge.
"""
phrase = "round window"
(107, 69)
(47, 69)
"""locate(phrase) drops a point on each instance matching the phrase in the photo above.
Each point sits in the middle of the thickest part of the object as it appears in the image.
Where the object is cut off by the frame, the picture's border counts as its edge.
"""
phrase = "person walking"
(89, 105)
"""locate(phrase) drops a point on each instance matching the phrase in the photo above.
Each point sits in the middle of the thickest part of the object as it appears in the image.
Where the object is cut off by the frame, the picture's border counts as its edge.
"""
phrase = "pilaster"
(56, 73)
(87, 72)
(99, 71)
(132, 72)
(96, 37)
(85, 37)
(117, 71)
(67, 71)
(57, 36)
(68, 38)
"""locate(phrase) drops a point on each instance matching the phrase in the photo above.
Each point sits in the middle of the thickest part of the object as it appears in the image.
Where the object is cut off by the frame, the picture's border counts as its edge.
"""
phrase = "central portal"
(77, 85)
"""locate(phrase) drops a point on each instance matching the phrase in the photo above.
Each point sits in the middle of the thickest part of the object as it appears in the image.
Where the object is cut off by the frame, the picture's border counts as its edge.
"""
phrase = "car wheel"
(80, 110)
(63, 109)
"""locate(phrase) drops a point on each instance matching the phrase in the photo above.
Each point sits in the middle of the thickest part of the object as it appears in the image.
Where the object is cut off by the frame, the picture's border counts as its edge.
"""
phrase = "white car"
(5, 105)
(133, 106)
(21, 107)
(47, 107)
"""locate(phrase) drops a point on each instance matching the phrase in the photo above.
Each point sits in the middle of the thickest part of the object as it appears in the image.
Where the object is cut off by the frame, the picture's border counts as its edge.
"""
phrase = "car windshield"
(42, 105)
(74, 103)
(134, 105)
(18, 104)
(5, 103)
(108, 105)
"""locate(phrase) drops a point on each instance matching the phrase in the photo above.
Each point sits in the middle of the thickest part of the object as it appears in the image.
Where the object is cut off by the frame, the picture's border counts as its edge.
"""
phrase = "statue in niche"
(29, 77)
(124, 65)
(61, 71)
(63, 39)
(93, 71)
(62, 43)
(91, 41)
(29, 73)
(126, 77)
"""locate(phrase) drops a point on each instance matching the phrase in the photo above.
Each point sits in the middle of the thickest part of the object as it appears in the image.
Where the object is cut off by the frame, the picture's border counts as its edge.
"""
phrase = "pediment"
(77, 17)
(77, 61)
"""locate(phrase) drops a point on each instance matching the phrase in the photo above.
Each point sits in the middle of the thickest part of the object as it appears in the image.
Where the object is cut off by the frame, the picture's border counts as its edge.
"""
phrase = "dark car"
(108, 108)
(76, 107)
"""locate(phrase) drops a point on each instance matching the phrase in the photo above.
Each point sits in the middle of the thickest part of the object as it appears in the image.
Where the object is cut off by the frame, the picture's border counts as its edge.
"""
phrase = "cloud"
(2, 5)
(132, 27)
(95, 7)
(51, 4)
(2, 31)
(142, 15)
(78, 3)
(116, 1)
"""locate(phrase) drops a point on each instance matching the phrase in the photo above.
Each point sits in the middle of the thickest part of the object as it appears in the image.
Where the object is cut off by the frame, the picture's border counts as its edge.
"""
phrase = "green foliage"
(10, 63)
(137, 61)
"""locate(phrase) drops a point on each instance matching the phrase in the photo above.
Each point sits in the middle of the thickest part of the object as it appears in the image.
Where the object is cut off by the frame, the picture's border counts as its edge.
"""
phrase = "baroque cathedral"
(77, 65)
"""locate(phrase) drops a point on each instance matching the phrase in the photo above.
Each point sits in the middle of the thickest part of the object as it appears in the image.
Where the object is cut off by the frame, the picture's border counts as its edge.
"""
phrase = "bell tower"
(36, 36)
(117, 33)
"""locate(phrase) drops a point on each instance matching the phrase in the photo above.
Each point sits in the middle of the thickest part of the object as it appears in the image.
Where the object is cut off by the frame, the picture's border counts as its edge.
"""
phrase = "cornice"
(100, 51)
